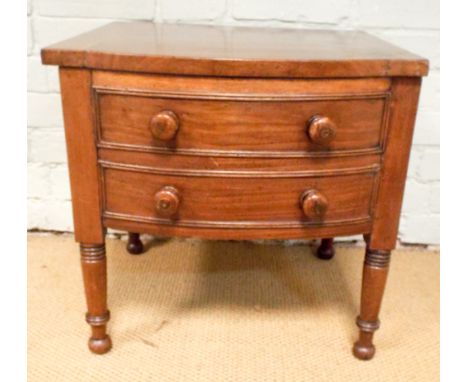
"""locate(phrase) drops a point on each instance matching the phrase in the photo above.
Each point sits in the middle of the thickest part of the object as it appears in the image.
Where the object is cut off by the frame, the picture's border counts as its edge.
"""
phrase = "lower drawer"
(269, 200)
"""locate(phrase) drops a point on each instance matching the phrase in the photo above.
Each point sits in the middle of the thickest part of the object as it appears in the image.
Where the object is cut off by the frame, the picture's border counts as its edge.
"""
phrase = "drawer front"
(267, 201)
(294, 126)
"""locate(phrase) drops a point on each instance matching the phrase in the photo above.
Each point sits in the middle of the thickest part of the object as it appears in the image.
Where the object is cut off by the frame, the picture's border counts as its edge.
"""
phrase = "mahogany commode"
(236, 133)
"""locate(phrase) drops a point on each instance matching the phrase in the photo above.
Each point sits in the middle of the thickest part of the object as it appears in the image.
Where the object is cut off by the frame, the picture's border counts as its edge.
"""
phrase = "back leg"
(326, 251)
(134, 245)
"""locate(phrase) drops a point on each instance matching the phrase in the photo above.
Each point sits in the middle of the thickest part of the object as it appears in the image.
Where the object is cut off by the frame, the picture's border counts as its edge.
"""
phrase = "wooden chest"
(236, 133)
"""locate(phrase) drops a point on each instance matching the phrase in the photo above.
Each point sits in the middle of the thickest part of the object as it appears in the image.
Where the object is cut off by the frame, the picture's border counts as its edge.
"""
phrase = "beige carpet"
(224, 311)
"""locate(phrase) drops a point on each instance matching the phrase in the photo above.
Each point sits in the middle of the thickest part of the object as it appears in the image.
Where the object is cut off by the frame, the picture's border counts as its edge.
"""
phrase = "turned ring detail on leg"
(374, 276)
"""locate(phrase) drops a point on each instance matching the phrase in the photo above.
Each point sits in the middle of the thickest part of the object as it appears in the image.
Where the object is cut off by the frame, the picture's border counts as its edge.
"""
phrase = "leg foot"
(373, 284)
(326, 251)
(363, 352)
(93, 264)
(134, 245)
(100, 345)
(364, 348)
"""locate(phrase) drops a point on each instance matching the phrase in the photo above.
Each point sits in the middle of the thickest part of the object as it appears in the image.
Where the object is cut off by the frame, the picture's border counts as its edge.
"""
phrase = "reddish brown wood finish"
(234, 51)
(164, 125)
(405, 95)
(175, 163)
(321, 130)
(314, 204)
(227, 124)
(373, 285)
(242, 87)
(272, 201)
(166, 202)
(253, 134)
(240, 117)
(93, 263)
(220, 233)
(78, 116)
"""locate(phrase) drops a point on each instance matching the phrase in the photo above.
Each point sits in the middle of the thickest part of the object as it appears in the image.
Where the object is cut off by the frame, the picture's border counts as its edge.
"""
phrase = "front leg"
(93, 264)
(374, 276)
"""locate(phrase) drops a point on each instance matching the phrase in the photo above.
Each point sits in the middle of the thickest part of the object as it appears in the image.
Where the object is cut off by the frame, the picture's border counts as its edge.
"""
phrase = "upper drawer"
(307, 121)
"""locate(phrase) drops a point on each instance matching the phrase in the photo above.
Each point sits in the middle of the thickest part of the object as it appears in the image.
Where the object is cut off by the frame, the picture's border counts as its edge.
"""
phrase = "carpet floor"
(190, 310)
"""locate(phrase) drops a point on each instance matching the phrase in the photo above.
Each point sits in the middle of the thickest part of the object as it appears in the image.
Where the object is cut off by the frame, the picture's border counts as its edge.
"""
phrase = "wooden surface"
(241, 233)
(78, 116)
(234, 51)
(264, 125)
(405, 95)
(230, 202)
(374, 277)
(241, 155)
(94, 269)
(240, 117)
(207, 153)
(253, 164)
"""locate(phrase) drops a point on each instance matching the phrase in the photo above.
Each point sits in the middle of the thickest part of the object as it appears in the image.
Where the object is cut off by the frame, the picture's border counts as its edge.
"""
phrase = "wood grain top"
(233, 51)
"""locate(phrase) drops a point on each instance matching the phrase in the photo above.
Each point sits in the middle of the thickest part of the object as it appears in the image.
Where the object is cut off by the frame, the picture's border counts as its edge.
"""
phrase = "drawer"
(268, 200)
(236, 126)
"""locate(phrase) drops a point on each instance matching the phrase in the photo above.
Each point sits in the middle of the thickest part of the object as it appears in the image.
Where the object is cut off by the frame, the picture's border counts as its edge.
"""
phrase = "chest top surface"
(234, 51)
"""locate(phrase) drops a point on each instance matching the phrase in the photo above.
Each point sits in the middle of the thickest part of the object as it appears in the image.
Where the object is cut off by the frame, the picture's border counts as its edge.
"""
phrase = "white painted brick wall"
(41, 78)
(414, 14)
(48, 30)
(46, 145)
(328, 12)
(44, 110)
(124, 9)
(413, 25)
(193, 10)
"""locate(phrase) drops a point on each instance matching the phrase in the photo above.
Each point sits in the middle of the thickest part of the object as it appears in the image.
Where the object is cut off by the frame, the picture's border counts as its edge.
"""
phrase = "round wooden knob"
(167, 201)
(321, 130)
(314, 204)
(164, 125)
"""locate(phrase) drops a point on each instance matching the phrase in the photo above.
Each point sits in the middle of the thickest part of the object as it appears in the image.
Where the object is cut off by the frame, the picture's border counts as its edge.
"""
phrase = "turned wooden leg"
(134, 245)
(373, 284)
(93, 263)
(326, 251)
